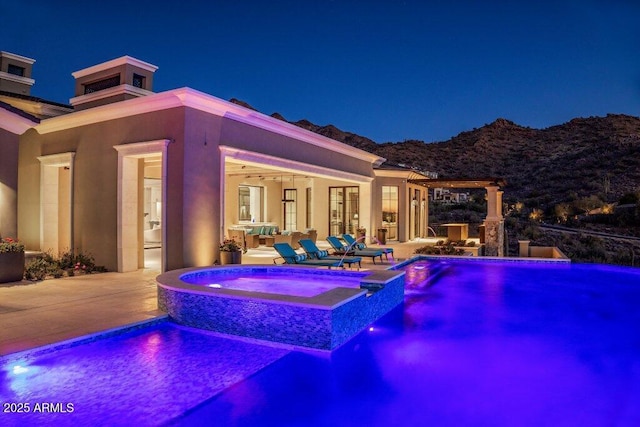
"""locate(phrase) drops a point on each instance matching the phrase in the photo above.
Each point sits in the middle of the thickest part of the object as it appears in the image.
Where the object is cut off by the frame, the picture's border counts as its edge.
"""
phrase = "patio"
(42, 313)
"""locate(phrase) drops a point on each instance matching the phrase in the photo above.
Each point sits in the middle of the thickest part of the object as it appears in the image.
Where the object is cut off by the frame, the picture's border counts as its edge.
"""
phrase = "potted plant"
(11, 260)
(231, 252)
(361, 233)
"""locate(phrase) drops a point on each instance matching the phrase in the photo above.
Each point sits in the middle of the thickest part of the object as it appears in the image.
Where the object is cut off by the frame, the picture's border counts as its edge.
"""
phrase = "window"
(102, 84)
(343, 210)
(309, 207)
(250, 203)
(138, 81)
(390, 211)
(15, 70)
(290, 209)
(414, 213)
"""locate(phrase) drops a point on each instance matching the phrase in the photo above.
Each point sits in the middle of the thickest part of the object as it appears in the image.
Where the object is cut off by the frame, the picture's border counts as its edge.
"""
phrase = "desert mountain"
(583, 157)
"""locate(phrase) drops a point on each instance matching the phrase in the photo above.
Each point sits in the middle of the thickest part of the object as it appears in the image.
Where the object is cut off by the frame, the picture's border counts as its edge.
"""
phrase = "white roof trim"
(398, 173)
(15, 57)
(286, 166)
(126, 89)
(14, 123)
(17, 79)
(116, 110)
(60, 159)
(113, 64)
(187, 97)
(142, 149)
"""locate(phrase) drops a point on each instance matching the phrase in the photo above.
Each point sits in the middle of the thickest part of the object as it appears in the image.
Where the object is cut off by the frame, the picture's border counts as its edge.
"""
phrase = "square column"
(494, 223)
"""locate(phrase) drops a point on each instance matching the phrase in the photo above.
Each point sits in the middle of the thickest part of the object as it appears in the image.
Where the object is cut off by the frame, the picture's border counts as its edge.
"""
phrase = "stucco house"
(121, 160)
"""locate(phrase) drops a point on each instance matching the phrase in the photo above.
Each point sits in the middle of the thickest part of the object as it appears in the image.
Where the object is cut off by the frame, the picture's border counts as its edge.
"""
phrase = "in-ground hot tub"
(300, 306)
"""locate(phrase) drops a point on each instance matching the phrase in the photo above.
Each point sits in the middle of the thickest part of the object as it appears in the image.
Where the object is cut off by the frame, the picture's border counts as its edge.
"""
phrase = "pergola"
(460, 182)
(494, 222)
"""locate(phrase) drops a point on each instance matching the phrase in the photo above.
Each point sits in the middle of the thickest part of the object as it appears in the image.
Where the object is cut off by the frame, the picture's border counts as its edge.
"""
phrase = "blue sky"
(388, 70)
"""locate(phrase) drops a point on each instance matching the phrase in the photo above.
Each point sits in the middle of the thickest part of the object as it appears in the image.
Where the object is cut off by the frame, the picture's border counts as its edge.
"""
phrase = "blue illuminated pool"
(474, 343)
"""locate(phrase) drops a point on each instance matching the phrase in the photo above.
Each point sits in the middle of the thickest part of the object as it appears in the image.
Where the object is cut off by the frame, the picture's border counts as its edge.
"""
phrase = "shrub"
(439, 250)
(41, 268)
(531, 232)
(67, 263)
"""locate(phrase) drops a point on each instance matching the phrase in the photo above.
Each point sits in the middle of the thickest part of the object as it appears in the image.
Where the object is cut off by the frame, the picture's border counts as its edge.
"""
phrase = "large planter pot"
(11, 266)
(227, 258)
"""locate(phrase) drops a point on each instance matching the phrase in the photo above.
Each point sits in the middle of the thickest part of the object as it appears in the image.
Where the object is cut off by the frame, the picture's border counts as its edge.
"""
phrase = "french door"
(343, 210)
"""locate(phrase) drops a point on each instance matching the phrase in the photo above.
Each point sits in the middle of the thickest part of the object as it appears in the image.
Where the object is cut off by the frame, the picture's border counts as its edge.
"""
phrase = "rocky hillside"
(596, 155)
(586, 156)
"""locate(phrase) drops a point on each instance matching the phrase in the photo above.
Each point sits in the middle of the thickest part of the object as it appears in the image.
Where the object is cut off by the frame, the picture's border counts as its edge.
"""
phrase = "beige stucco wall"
(201, 189)
(8, 184)
(246, 137)
(195, 181)
(95, 179)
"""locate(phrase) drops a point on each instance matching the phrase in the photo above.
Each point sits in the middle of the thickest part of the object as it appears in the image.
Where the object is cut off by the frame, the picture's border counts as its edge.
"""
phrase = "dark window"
(138, 81)
(102, 84)
(15, 70)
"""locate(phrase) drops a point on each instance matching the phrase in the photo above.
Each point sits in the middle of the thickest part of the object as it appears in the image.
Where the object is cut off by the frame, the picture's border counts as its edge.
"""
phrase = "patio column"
(494, 223)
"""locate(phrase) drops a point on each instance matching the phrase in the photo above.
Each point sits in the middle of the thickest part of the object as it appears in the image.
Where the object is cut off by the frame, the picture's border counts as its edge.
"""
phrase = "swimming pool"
(474, 343)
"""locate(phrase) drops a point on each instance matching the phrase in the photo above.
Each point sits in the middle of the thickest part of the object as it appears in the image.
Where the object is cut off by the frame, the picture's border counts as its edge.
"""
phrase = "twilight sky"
(386, 69)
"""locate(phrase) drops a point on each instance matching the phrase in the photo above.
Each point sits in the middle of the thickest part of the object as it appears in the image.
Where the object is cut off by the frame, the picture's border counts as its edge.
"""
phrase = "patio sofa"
(240, 235)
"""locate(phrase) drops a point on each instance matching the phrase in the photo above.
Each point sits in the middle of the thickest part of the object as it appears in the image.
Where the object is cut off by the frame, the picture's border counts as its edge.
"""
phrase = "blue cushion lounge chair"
(339, 248)
(290, 256)
(361, 245)
(316, 253)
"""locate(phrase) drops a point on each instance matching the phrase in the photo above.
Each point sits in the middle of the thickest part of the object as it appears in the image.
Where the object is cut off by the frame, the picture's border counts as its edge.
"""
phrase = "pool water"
(287, 282)
(475, 343)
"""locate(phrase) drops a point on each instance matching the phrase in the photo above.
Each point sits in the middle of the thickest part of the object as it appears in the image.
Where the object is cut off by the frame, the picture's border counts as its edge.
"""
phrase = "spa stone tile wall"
(299, 324)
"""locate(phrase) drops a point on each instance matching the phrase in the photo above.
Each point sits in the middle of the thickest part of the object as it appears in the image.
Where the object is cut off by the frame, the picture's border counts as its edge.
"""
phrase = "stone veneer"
(322, 322)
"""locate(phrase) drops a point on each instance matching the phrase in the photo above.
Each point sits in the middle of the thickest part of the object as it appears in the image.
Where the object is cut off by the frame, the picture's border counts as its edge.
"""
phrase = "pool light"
(17, 370)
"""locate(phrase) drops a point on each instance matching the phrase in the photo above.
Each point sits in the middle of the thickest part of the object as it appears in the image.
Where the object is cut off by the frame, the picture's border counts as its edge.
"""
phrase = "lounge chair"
(361, 245)
(339, 248)
(289, 255)
(316, 253)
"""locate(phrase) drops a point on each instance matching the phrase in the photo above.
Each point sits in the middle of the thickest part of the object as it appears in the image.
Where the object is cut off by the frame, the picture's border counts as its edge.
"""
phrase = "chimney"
(15, 73)
(112, 81)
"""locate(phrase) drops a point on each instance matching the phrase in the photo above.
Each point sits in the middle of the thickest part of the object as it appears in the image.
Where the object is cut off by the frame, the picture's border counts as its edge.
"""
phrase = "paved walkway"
(34, 314)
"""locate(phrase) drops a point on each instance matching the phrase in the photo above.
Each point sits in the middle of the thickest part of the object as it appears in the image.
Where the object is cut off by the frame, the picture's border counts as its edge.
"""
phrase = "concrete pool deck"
(35, 314)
